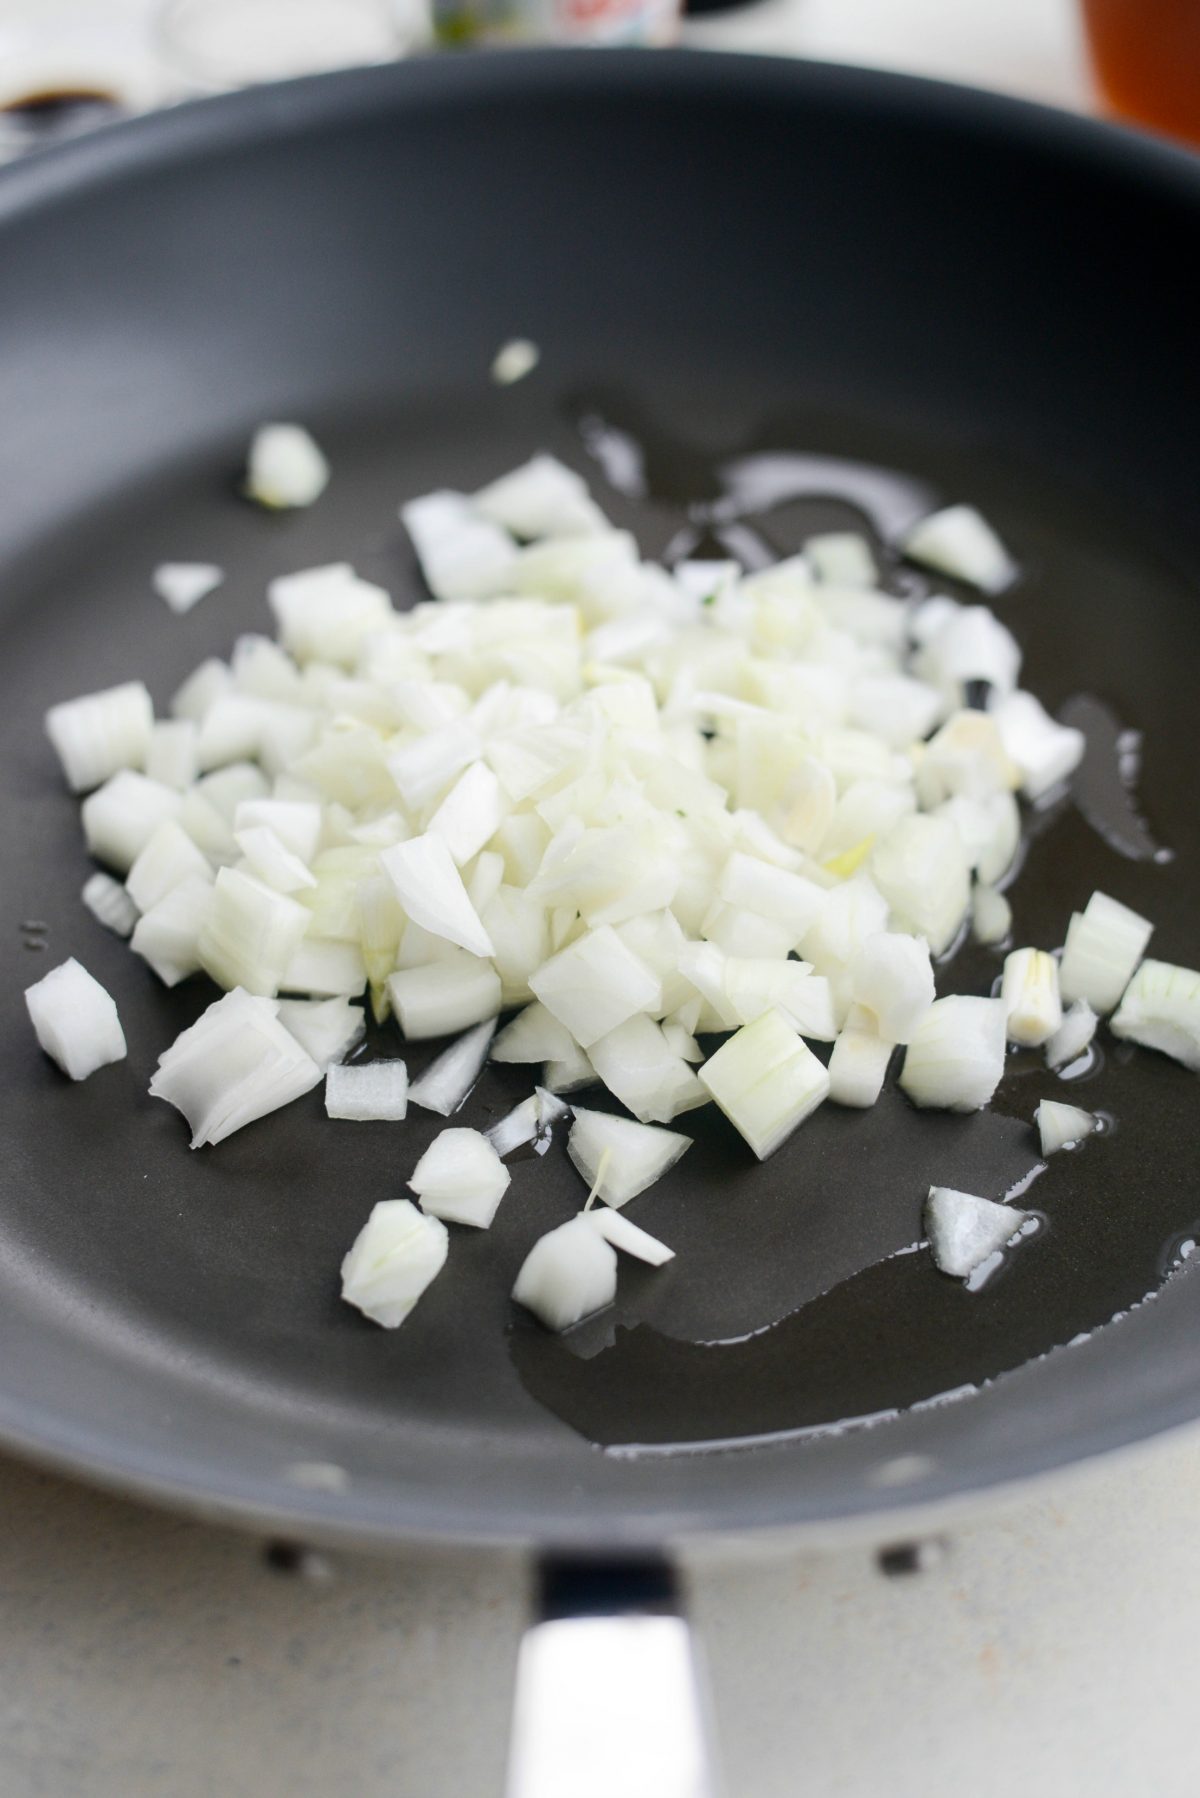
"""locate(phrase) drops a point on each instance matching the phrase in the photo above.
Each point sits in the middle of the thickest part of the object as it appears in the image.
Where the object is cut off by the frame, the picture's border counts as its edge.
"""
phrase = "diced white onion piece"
(201, 689)
(991, 915)
(430, 888)
(703, 966)
(895, 707)
(955, 1060)
(972, 645)
(110, 904)
(235, 1064)
(857, 1067)
(424, 767)
(75, 1020)
(567, 1275)
(271, 862)
(370, 1090)
(966, 759)
(533, 1035)
(786, 898)
(990, 829)
(326, 614)
(324, 969)
(168, 935)
(626, 1236)
(841, 557)
(1105, 943)
(169, 858)
(121, 816)
(444, 996)
(184, 584)
(101, 733)
(1161, 1010)
(766, 1080)
(1045, 751)
(395, 1256)
(543, 498)
(284, 467)
(461, 1179)
(921, 870)
(447, 1081)
(517, 1127)
(594, 984)
(892, 977)
(681, 1042)
(250, 934)
(1062, 1126)
(746, 934)
(463, 555)
(514, 360)
(326, 1029)
(637, 1154)
(637, 1066)
(1030, 996)
(171, 755)
(550, 1108)
(567, 1073)
(471, 813)
(753, 986)
(959, 541)
(1073, 1035)
(296, 822)
(964, 1230)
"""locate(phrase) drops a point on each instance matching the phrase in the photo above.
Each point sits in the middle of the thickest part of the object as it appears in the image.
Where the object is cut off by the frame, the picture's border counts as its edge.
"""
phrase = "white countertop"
(1049, 1650)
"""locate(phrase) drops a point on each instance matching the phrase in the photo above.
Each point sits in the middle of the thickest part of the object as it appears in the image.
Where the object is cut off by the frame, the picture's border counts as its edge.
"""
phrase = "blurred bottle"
(461, 23)
(1146, 54)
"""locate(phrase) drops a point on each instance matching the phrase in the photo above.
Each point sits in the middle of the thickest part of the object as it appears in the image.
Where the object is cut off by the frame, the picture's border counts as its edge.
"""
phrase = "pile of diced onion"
(631, 808)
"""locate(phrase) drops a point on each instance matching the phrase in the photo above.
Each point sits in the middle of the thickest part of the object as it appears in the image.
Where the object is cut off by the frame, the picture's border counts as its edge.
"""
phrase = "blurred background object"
(209, 45)
(1146, 54)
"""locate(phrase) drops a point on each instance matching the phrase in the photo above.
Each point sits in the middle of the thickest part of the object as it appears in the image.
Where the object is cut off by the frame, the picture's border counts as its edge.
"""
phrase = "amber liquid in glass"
(1146, 54)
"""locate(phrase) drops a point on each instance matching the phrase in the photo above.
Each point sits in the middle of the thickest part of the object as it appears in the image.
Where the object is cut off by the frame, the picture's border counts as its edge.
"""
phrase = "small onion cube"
(1105, 943)
(618, 1158)
(75, 1020)
(367, 1091)
(1030, 996)
(101, 733)
(110, 904)
(959, 541)
(857, 1067)
(991, 915)
(964, 1230)
(841, 557)
(1073, 1035)
(326, 1029)
(1062, 1126)
(542, 498)
(445, 996)
(461, 1179)
(594, 984)
(516, 1128)
(430, 888)
(767, 1081)
(169, 858)
(1161, 1010)
(235, 1064)
(120, 817)
(955, 1060)
(639, 1068)
(892, 976)
(284, 467)
(568, 1274)
(514, 360)
(1045, 751)
(626, 1236)
(184, 584)
(534, 1035)
(250, 933)
(447, 1081)
(167, 937)
(395, 1256)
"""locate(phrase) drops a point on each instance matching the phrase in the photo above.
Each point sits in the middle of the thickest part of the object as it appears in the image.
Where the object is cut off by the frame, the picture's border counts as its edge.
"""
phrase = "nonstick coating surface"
(726, 240)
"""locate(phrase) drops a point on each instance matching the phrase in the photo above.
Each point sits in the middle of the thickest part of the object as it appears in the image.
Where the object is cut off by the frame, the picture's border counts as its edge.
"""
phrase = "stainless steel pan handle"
(610, 1701)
